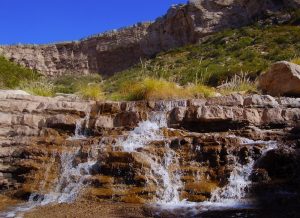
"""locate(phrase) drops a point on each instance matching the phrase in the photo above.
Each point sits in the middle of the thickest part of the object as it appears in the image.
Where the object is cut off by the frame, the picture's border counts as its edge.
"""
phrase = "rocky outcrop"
(283, 79)
(117, 50)
(199, 140)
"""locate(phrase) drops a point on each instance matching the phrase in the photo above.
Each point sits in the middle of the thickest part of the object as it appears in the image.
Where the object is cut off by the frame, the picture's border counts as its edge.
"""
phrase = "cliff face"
(117, 50)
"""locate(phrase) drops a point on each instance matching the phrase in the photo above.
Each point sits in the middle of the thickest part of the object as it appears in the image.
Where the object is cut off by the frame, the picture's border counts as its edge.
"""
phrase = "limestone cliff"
(117, 50)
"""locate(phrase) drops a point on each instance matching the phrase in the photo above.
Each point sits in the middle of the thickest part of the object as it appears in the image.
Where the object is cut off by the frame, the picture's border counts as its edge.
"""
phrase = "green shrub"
(73, 83)
(12, 74)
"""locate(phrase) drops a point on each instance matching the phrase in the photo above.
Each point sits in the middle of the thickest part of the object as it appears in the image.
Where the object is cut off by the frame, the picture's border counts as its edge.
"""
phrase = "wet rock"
(280, 163)
(126, 119)
(105, 122)
(260, 176)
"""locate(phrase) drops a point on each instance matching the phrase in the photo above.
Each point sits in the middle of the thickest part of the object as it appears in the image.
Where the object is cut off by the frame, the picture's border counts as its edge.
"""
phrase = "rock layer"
(117, 50)
(205, 136)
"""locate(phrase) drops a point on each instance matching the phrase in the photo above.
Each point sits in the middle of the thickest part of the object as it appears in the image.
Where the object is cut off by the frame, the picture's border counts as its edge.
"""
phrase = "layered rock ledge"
(206, 137)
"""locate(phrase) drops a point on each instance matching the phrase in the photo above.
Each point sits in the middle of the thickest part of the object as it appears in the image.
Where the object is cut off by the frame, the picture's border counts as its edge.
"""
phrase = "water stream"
(168, 180)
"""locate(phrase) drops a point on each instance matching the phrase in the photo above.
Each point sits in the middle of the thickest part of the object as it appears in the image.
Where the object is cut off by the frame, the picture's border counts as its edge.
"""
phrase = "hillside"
(246, 52)
(114, 51)
(228, 55)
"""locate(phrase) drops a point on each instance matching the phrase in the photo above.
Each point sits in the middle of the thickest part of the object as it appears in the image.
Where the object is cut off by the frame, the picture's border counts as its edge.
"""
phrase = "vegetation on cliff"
(11, 74)
(244, 52)
(230, 60)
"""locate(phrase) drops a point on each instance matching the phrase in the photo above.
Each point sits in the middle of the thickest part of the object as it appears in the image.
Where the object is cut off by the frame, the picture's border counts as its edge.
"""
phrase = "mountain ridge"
(114, 51)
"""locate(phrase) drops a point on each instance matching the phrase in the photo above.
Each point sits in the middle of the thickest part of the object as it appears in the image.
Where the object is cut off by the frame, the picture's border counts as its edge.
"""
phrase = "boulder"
(283, 79)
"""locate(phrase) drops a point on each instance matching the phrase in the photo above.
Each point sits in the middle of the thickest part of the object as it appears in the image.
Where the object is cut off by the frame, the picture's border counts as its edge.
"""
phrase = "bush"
(152, 89)
(42, 87)
(238, 83)
(198, 91)
(296, 61)
(12, 74)
(160, 89)
(71, 83)
(92, 91)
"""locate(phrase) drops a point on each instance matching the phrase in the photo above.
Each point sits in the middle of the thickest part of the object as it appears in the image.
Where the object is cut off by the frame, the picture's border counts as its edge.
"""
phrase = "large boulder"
(283, 79)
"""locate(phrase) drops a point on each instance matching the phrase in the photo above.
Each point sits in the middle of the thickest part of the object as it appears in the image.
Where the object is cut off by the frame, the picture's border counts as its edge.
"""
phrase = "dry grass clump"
(296, 60)
(41, 87)
(151, 89)
(238, 83)
(199, 91)
(160, 89)
(92, 91)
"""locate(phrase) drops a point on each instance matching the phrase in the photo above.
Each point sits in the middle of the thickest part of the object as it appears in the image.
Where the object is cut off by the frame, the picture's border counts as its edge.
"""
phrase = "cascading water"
(81, 127)
(235, 192)
(70, 182)
(148, 131)
(171, 182)
(163, 170)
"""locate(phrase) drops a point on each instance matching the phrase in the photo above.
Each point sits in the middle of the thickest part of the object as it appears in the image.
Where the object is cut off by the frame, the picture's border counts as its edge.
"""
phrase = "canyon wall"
(115, 51)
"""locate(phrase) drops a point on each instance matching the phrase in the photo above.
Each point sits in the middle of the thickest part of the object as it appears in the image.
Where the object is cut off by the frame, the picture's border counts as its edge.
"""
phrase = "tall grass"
(92, 91)
(160, 89)
(296, 60)
(239, 83)
(42, 87)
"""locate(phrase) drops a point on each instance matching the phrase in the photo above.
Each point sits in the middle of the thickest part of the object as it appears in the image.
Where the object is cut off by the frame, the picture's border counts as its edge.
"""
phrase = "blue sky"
(45, 21)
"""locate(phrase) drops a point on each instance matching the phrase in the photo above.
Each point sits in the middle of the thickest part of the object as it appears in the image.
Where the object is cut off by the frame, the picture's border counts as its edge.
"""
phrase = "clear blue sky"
(45, 21)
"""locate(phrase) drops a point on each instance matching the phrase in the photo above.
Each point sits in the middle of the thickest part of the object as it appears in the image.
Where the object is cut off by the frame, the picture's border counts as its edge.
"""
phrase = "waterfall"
(167, 179)
(81, 127)
(235, 192)
(70, 182)
(171, 181)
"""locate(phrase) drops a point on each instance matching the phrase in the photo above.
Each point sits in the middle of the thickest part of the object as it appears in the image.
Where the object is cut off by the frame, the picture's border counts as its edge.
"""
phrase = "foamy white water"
(235, 192)
(167, 180)
(81, 127)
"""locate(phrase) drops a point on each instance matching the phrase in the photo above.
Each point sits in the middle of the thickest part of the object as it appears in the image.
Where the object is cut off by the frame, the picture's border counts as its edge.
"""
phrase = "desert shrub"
(92, 91)
(73, 83)
(198, 91)
(296, 61)
(12, 74)
(152, 89)
(42, 87)
(238, 83)
(160, 89)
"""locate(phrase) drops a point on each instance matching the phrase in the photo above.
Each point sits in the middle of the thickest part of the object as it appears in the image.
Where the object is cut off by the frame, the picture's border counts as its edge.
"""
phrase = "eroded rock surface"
(144, 151)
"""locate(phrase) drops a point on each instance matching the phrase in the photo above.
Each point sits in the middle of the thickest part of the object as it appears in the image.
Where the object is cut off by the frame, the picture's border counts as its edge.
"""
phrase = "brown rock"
(283, 79)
